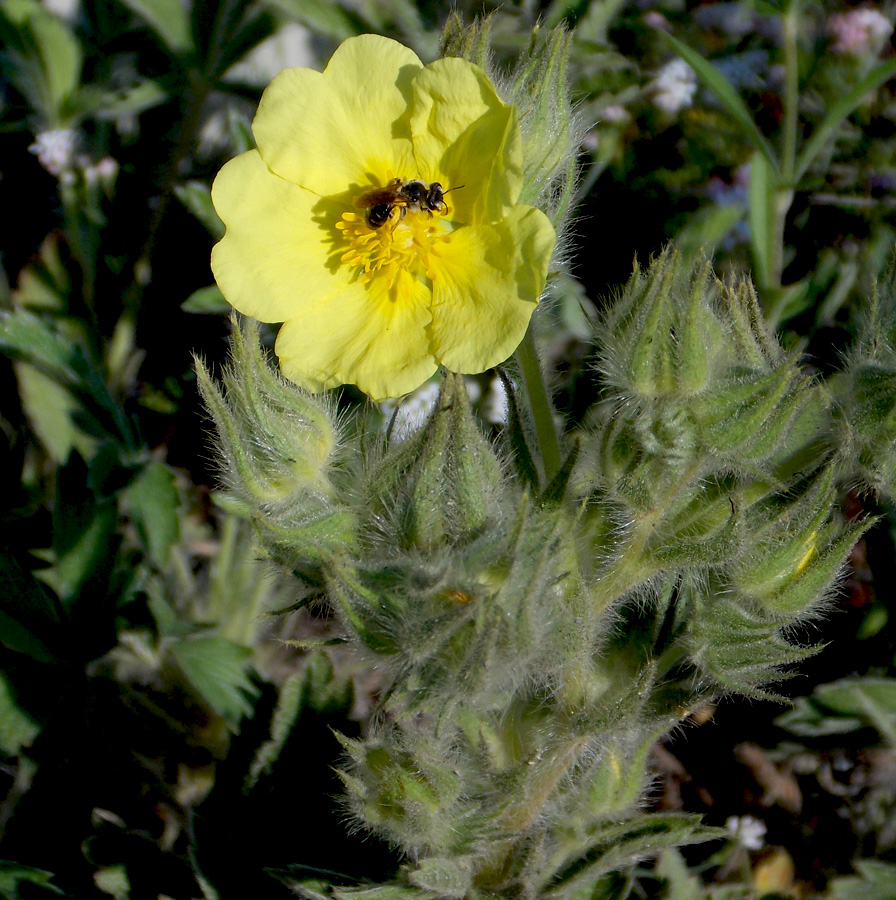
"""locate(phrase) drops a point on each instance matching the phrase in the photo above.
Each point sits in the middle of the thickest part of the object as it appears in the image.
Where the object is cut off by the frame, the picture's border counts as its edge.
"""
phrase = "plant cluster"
(485, 615)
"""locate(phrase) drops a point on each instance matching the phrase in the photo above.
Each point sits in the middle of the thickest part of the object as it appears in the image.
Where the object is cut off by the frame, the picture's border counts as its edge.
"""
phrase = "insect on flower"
(415, 195)
(338, 225)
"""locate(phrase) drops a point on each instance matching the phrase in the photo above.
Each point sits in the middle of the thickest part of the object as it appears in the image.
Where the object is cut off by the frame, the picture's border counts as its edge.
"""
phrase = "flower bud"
(276, 443)
(443, 485)
(404, 785)
(749, 413)
(660, 339)
(795, 551)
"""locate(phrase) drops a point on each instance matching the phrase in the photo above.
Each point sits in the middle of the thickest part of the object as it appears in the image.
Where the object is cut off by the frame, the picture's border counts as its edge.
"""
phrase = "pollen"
(406, 245)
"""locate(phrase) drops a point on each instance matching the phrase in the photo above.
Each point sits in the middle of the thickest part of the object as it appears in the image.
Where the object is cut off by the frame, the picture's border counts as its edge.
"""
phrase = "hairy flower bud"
(443, 485)
(867, 395)
(663, 335)
(276, 443)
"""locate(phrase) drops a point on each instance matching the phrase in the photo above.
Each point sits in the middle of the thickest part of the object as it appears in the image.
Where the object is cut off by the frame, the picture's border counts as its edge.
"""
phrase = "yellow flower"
(373, 295)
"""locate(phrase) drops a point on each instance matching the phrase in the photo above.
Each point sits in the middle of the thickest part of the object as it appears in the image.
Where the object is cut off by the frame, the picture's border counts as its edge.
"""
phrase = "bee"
(416, 196)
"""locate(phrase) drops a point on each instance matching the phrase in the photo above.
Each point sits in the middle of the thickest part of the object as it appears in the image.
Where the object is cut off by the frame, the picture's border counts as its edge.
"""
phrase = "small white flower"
(614, 114)
(856, 32)
(674, 86)
(747, 831)
(55, 150)
(102, 172)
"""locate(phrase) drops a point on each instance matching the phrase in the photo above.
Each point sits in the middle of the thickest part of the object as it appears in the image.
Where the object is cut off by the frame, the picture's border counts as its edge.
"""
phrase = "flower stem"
(539, 405)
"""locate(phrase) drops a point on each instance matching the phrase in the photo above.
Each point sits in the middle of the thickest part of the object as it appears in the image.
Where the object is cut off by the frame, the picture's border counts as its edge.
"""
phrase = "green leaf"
(197, 197)
(17, 729)
(618, 845)
(807, 720)
(44, 283)
(141, 96)
(46, 57)
(206, 301)
(680, 883)
(113, 880)
(289, 706)
(167, 18)
(154, 502)
(88, 555)
(323, 17)
(763, 218)
(30, 622)
(40, 342)
(12, 875)
(49, 408)
(217, 669)
(838, 112)
(252, 31)
(707, 227)
(727, 95)
(382, 892)
(875, 881)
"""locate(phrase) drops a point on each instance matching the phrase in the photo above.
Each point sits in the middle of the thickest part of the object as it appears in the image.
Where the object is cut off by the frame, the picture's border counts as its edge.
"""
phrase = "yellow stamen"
(403, 244)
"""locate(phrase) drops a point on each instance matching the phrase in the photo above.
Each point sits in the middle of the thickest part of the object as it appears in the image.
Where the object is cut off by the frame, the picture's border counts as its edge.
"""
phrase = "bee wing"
(375, 197)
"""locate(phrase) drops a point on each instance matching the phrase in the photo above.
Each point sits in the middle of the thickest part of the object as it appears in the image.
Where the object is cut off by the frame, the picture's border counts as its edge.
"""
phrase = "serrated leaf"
(85, 541)
(167, 18)
(36, 340)
(44, 283)
(17, 729)
(680, 883)
(154, 502)
(290, 702)
(865, 701)
(49, 408)
(807, 720)
(217, 669)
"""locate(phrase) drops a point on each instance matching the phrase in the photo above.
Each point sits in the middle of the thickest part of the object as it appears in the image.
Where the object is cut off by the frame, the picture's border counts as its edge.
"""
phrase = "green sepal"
(812, 582)
(734, 416)
(443, 876)
(739, 650)
(615, 845)
(363, 609)
(785, 537)
(712, 539)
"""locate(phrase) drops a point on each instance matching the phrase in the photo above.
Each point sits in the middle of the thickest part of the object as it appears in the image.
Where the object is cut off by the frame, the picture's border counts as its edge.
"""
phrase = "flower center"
(402, 243)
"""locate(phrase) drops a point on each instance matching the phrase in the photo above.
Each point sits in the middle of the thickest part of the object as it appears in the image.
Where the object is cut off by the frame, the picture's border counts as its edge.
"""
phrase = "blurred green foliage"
(156, 726)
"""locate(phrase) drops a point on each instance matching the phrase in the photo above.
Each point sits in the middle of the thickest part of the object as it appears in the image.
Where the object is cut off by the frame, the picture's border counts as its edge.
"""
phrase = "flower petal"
(486, 283)
(370, 335)
(464, 134)
(345, 126)
(279, 246)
